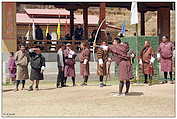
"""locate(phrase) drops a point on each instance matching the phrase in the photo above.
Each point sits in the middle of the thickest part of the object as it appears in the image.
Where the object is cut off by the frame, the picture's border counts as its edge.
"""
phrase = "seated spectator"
(39, 34)
(78, 32)
(67, 37)
(91, 40)
(48, 37)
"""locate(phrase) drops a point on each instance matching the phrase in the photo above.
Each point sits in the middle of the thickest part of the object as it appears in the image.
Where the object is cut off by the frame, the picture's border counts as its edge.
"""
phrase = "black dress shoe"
(104, 84)
(30, 88)
(64, 86)
(126, 93)
(84, 84)
(16, 90)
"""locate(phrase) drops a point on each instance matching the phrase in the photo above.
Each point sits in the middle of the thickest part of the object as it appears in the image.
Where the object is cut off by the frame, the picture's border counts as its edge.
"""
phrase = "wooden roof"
(22, 18)
(51, 12)
(147, 6)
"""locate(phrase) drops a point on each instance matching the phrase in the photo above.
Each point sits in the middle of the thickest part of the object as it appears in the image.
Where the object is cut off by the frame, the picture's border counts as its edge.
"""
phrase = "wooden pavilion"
(162, 8)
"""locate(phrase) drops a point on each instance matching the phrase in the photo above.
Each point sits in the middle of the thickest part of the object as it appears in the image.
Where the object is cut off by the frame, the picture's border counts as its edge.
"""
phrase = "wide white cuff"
(152, 60)
(72, 52)
(70, 56)
(42, 68)
(158, 55)
(105, 47)
(30, 50)
(85, 61)
(109, 59)
(100, 61)
(140, 62)
(132, 55)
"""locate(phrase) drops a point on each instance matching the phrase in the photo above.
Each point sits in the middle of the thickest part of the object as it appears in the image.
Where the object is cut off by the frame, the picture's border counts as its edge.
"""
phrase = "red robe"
(84, 68)
(123, 60)
(146, 55)
(11, 67)
(69, 69)
(166, 54)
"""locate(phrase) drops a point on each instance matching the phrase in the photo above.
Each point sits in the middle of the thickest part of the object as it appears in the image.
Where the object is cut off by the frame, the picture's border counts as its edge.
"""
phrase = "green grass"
(8, 84)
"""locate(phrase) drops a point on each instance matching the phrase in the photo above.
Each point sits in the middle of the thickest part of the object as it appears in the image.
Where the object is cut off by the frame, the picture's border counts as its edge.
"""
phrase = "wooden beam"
(85, 19)
(72, 24)
(163, 22)
(102, 16)
(9, 40)
(142, 23)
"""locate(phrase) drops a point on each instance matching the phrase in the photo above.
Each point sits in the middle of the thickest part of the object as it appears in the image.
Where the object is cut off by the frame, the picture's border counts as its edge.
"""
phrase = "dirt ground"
(89, 101)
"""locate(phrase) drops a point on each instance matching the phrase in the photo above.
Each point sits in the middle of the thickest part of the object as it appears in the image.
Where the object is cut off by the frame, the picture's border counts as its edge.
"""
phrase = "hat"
(68, 44)
(164, 37)
(37, 48)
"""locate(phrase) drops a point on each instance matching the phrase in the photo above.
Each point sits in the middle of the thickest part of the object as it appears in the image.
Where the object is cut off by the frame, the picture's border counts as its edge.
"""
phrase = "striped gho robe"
(102, 56)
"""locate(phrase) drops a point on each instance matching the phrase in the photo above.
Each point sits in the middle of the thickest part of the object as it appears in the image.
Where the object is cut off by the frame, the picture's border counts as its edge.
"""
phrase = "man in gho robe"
(69, 70)
(165, 55)
(84, 63)
(37, 62)
(146, 61)
(114, 45)
(21, 60)
(60, 64)
(125, 67)
(102, 56)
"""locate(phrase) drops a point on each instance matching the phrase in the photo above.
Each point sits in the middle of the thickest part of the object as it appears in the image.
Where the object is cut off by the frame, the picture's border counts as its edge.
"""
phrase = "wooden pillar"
(72, 24)
(102, 14)
(163, 22)
(85, 19)
(142, 23)
(101, 18)
(9, 40)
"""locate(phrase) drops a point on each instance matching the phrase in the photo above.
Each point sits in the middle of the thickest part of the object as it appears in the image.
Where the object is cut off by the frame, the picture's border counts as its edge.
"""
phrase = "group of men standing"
(37, 63)
(66, 64)
(165, 55)
(119, 52)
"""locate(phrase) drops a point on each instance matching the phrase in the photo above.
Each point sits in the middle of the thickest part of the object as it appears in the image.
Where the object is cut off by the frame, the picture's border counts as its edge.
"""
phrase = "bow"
(94, 42)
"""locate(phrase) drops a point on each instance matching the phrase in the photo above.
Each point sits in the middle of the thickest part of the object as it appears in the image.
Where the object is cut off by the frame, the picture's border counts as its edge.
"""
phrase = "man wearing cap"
(164, 56)
(69, 59)
(37, 62)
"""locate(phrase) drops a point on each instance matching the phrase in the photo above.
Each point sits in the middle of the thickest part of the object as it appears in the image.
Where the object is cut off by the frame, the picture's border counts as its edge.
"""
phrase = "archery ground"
(89, 101)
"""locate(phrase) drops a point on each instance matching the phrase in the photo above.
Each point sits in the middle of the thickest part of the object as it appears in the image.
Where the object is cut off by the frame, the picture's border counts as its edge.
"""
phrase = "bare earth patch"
(143, 101)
